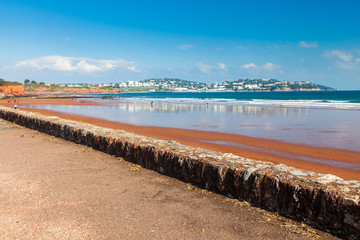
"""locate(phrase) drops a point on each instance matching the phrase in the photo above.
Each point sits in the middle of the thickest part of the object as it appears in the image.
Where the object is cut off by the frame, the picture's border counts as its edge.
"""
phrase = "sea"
(329, 99)
(324, 119)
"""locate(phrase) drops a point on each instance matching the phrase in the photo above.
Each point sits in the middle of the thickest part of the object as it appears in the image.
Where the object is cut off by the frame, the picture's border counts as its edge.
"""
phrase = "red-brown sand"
(51, 101)
(197, 138)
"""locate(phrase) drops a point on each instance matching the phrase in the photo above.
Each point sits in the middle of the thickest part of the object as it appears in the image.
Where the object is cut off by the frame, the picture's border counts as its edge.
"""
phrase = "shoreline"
(248, 147)
(291, 192)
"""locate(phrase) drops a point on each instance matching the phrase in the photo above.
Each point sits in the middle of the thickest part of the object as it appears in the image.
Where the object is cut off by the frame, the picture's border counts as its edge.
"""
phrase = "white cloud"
(342, 55)
(353, 65)
(221, 66)
(345, 65)
(304, 44)
(71, 64)
(186, 46)
(239, 47)
(87, 67)
(344, 60)
(267, 66)
(132, 69)
(207, 68)
(250, 65)
(270, 66)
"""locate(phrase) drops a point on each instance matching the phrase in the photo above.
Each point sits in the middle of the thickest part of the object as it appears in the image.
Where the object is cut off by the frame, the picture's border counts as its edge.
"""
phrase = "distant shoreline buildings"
(179, 85)
(240, 85)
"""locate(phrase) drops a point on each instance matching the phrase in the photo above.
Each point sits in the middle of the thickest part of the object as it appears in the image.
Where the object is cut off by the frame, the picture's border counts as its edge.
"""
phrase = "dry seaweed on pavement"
(238, 202)
(293, 227)
(134, 167)
(87, 149)
(301, 229)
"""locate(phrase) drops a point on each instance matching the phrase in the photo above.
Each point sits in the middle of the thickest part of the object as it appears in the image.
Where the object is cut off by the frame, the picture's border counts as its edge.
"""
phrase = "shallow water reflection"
(317, 127)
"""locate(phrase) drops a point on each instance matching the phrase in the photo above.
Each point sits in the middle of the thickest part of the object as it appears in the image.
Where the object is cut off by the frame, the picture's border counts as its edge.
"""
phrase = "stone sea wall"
(322, 200)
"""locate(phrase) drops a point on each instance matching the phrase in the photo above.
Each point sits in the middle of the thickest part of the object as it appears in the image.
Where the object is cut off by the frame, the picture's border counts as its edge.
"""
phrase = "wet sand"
(343, 163)
(52, 101)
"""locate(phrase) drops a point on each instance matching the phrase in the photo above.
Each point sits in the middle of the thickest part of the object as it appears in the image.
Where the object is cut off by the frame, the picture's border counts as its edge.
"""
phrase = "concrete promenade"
(54, 189)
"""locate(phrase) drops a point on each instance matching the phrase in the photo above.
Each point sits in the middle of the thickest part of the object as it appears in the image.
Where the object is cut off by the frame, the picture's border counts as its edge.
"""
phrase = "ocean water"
(323, 119)
(328, 99)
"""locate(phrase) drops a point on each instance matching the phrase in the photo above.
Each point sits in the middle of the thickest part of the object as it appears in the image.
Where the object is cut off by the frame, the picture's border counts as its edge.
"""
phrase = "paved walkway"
(54, 189)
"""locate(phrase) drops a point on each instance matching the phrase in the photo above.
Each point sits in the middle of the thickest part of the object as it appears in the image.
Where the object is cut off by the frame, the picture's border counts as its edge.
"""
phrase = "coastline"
(249, 147)
(301, 195)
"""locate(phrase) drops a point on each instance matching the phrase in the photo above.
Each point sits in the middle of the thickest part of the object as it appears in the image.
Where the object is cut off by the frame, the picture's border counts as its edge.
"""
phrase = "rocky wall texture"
(321, 200)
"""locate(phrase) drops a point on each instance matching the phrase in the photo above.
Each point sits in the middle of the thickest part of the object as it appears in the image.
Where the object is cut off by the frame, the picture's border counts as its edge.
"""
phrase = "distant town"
(33, 88)
(179, 85)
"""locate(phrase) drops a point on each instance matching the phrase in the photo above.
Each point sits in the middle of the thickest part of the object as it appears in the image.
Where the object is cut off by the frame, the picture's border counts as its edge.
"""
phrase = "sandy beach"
(317, 159)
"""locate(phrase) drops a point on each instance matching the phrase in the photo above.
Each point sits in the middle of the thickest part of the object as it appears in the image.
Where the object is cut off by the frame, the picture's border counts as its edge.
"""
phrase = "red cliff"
(56, 90)
(12, 90)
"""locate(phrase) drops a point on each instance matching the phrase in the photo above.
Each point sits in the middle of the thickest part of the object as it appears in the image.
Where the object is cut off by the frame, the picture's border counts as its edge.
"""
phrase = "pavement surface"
(54, 189)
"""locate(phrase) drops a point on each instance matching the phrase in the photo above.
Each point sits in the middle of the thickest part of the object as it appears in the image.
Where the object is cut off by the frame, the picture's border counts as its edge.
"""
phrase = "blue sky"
(207, 41)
